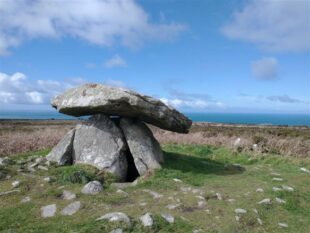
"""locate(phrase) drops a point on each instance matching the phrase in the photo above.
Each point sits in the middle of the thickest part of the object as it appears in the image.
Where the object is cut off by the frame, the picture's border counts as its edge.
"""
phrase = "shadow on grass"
(196, 165)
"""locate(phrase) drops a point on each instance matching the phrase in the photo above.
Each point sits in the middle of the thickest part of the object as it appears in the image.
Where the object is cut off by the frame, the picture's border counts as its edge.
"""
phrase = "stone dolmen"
(115, 139)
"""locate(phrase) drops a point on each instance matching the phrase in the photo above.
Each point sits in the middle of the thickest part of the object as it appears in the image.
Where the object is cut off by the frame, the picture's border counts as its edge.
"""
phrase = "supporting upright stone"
(62, 152)
(144, 148)
(100, 143)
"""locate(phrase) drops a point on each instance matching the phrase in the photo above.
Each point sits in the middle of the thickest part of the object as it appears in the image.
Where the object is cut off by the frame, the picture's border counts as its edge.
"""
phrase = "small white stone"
(93, 187)
(287, 188)
(279, 200)
(237, 218)
(265, 201)
(147, 220)
(281, 224)
(173, 206)
(231, 200)
(155, 195)
(122, 192)
(115, 217)
(43, 168)
(177, 180)
(201, 198)
(260, 190)
(15, 183)
(240, 211)
(275, 174)
(142, 203)
(255, 211)
(48, 211)
(219, 196)
(169, 218)
(71, 208)
(68, 195)
(259, 221)
(303, 169)
(47, 179)
(26, 199)
(201, 204)
(276, 189)
(277, 179)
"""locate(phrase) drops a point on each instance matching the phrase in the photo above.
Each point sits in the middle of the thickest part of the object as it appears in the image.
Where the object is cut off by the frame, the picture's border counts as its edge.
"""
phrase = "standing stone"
(93, 187)
(62, 152)
(143, 146)
(100, 143)
(90, 99)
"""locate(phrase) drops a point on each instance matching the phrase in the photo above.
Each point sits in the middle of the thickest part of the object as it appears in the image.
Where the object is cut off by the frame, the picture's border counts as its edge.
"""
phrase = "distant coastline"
(224, 118)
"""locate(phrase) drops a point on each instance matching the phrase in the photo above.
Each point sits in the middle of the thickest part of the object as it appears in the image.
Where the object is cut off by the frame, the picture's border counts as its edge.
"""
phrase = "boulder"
(71, 209)
(62, 152)
(100, 143)
(144, 148)
(90, 99)
(93, 187)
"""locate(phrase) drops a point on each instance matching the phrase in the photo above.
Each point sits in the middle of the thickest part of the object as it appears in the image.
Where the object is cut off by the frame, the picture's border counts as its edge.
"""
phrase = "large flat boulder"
(144, 148)
(62, 152)
(100, 143)
(91, 99)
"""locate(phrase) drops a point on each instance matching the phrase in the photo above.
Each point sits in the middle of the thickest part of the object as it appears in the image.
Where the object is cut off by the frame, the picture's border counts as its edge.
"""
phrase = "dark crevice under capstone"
(132, 172)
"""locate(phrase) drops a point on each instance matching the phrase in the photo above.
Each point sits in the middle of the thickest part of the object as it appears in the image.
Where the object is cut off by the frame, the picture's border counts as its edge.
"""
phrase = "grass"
(203, 170)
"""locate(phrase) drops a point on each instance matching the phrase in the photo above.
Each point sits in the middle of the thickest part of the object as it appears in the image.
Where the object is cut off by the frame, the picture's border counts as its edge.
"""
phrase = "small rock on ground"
(259, 221)
(147, 220)
(177, 180)
(276, 189)
(277, 179)
(173, 206)
(47, 179)
(266, 201)
(9, 192)
(68, 195)
(260, 190)
(169, 218)
(303, 169)
(71, 208)
(155, 195)
(282, 224)
(48, 211)
(279, 200)
(26, 199)
(287, 188)
(15, 183)
(240, 211)
(118, 230)
(93, 187)
(115, 217)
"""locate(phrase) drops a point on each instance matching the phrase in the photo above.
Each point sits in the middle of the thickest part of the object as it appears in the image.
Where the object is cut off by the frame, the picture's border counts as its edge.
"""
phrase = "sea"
(234, 118)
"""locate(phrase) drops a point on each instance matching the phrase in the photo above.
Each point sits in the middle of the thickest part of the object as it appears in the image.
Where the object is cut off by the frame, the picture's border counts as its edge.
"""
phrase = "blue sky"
(198, 56)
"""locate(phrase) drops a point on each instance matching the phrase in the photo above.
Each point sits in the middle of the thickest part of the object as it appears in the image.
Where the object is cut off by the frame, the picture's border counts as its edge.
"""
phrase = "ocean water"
(236, 118)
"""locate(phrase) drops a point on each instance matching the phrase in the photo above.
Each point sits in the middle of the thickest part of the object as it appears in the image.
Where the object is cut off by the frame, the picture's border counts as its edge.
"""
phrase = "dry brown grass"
(24, 136)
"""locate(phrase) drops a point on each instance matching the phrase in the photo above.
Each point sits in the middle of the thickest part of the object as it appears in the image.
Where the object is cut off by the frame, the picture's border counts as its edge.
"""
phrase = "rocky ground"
(200, 189)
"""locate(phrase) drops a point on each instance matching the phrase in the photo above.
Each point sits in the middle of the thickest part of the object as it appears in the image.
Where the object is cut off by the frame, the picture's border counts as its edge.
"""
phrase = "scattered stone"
(185, 189)
(48, 211)
(147, 220)
(15, 183)
(231, 200)
(9, 192)
(47, 179)
(115, 217)
(155, 195)
(266, 201)
(177, 180)
(240, 211)
(173, 206)
(279, 200)
(201, 198)
(259, 190)
(169, 218)
(260, 222)
(68, 195)
(90, 99)
(283, 225)
(122, 192)
(4, 161)
(142, 203)
(277, 179)
(33, 165)
(303, 169)
(71, 208)
(276, 189)
(25, 199)
(62, 152)
(93, 187)
(237, 142)
(143, 146)
(275, 174)
(40, 160)
(202, 204)
(254, 147)
(237, 218)
(287, 188)
(43, 168)
(196, 191)
(219, 196)
(255, 211)
(117, 230)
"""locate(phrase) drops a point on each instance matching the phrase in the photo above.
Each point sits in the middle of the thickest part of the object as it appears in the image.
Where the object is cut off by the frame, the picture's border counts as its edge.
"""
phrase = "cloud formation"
(265, 68)
(285, 99)
(100, 22)
(115, 61)
(272, 25)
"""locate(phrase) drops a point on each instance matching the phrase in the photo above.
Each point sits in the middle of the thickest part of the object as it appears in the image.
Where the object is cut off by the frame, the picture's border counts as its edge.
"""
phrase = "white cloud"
(179, 103)
(16, 89)
(101, 22)
(265, 68)
(281, 25)
(115, 61)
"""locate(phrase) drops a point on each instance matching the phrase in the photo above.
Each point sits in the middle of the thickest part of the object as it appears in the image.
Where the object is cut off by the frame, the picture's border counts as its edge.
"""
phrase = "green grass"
(206, 170)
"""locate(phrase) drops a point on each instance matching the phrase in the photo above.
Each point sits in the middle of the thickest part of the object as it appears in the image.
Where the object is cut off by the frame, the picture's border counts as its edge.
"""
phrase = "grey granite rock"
(93, 187)
(62, 152)
(90, 99)
(144, 148)
(115, 217)
(71, 209)
(147, 220)
(100, 143)
(48, 211)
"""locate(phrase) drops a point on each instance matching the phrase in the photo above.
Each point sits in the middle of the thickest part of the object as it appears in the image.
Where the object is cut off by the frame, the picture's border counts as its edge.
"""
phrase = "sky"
(231, 56)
